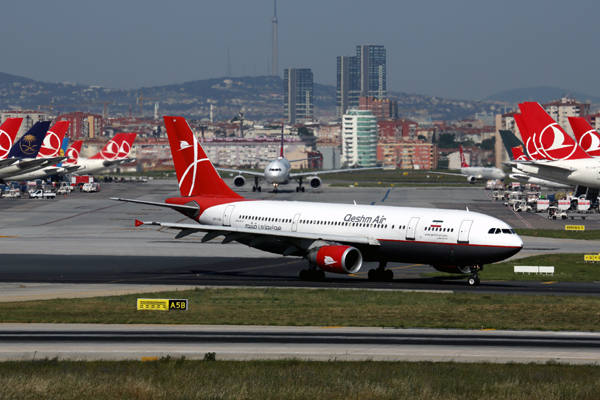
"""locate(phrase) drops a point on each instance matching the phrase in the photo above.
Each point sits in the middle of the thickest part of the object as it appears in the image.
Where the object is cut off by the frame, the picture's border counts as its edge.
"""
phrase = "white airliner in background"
(332, 237)
(475, 173)
(555, 155)
(519, 155)
(278, 172)
(113, 154)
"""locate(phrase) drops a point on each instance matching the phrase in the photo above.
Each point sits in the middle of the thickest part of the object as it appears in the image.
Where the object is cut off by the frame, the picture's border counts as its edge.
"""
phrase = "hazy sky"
(454, 49)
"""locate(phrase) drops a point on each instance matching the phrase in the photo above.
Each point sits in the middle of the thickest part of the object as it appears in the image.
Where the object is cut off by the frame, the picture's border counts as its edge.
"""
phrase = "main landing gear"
(474, 277)
(300, 188)
(312, 274)
(381, 274)
(255, 187)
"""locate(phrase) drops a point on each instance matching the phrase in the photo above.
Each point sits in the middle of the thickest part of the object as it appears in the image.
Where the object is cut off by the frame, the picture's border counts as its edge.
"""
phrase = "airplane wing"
(443, 173)
(331, 171)
(112, 163)
(7, 162)
(240, 171)
(541, 164)
(304, 159)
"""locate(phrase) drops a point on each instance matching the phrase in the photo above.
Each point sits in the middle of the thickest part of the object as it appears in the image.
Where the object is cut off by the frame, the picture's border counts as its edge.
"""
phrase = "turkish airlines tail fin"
(549, 138)
(73, 152)
(53, 140)
(587, 137)
(8, 133)
(518, 154)
(111, 150)
(463, 161)
(281, 152)
(195, 173)
(126, 145)
(527, 137)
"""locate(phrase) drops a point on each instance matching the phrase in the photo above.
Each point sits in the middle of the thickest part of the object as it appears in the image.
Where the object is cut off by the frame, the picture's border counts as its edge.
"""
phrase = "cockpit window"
(498, 230)
(492, 230)
(507, 231)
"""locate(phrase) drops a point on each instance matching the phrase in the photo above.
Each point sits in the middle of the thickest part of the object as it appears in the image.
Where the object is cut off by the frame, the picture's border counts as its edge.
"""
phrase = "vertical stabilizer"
(587, 137)
(463, 161)
(73, 152)
(281, 152)
(111, 150)
(53, 140)
(8, 133)
(195, 173)
(30, 143)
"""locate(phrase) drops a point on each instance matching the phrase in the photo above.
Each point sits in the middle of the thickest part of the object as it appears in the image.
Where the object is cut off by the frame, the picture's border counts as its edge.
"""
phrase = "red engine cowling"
(452, 269)
(337, 259)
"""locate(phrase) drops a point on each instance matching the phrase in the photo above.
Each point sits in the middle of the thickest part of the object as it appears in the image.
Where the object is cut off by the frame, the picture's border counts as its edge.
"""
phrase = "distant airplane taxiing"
(279, 172)
(475, 173)
(335, 238)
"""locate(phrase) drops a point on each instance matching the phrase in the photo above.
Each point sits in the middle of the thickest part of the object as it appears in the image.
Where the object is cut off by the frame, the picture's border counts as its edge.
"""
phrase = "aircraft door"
(295, 222)
(227, 215)
(463, 232)
(411, 228)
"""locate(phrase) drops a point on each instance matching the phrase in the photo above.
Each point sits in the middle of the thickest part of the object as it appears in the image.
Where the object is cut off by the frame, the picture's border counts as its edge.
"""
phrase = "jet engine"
(239, 181)
(337, 259)
(471, 179)
(315, 182)
(453, 269)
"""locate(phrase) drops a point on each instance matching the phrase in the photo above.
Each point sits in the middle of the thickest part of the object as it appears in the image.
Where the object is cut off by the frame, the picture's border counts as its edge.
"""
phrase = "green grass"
(301, 307)
(294, 379)
(593, 234)
(567, 268)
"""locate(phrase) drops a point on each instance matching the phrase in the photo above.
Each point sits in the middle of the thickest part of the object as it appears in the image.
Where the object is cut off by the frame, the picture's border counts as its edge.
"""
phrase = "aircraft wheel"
(320, 275)
(303, 275)
(297, 190)
(389, 275)
(259, 189)
(564, 217)
(254, 188)
(372, 274)
(472, 281)
(302, 189)
(582, 217)
(554, 217)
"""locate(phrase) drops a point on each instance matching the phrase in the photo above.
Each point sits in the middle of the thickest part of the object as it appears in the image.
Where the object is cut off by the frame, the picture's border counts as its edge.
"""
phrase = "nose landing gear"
(255, 187)
(474, 277)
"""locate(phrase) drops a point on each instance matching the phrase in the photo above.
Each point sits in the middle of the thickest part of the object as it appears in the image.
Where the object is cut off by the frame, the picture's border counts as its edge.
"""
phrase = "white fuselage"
(278, 172)
(395, 234)
(92, 166)
(38, 174)
(483, 172)
(585, 172)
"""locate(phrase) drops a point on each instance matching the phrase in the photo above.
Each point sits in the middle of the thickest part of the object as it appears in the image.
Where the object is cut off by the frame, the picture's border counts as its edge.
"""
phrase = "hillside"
(542, 94)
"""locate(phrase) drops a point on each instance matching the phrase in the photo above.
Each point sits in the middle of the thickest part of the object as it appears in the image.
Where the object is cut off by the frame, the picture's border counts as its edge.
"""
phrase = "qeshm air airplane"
(335, 238)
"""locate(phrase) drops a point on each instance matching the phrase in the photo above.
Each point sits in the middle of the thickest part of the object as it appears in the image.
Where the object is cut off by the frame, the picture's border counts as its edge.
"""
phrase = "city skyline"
(463, 50)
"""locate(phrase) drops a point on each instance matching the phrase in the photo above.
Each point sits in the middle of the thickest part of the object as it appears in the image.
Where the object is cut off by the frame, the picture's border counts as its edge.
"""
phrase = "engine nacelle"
(315, 182)
(471, 179)
(453, 269)
(337, 259)
(239, 181)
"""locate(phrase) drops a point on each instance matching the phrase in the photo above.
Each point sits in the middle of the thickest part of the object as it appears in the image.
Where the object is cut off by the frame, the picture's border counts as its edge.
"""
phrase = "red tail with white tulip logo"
(8, 133)
(547, 137)
(112, 148)
(195, 173)
(53, 140)
(73, 152)
(587, 137)
(463, 161)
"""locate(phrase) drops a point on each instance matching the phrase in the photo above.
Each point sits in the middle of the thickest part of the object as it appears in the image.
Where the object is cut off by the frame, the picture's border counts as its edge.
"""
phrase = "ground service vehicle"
(41, 194)
(336, 238)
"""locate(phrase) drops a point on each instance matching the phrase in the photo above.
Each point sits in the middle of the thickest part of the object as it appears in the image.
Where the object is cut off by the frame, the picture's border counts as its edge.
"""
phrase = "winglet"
(138, 223)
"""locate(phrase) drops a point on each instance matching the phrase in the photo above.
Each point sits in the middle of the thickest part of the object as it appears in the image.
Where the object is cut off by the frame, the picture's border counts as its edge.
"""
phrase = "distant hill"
(542, 94)
(8, 78)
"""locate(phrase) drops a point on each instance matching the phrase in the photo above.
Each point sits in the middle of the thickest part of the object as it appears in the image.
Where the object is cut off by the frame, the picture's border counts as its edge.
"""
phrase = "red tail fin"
(518, 154)
(126, 145)
(111, 150)
(548, 137)
(8, 133)
(586, 136)
(195, 173)
(281, 152)
(53, 140)
(73, 152)
(527, 138)
(463, 161)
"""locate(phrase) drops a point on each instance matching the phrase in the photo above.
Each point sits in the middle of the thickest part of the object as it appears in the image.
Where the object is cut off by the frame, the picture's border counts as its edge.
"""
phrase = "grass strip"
(567, 268)
(294, 379)
(302, 307)
(562, 234)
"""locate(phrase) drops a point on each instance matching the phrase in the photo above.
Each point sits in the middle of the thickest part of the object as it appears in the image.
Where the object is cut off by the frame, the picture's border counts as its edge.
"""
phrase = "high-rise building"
(348, 84)
(274, 40)
(371, 67)
(297, 94)
(359, 138)
(82, 125)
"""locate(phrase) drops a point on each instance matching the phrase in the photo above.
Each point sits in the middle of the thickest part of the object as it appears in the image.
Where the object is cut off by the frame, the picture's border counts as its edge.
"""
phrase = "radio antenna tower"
(228, 73)
(274, 39)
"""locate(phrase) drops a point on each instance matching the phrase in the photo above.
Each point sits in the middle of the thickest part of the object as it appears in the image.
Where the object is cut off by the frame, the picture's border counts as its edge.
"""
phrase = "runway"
(26, 341)
(87, 238)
